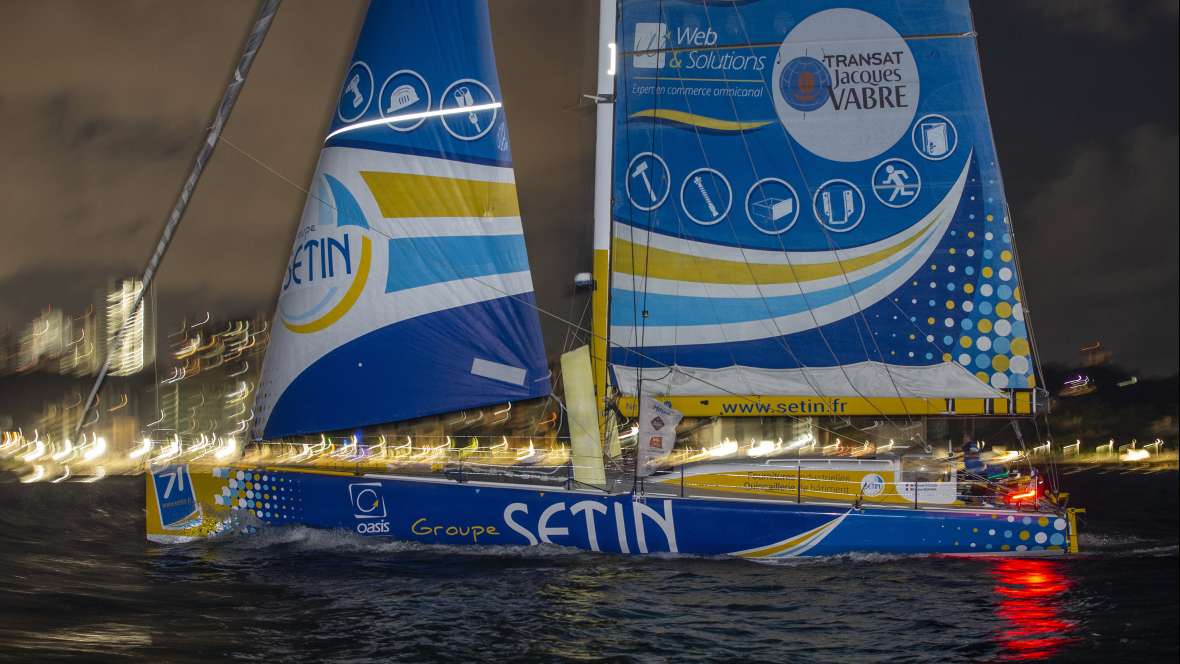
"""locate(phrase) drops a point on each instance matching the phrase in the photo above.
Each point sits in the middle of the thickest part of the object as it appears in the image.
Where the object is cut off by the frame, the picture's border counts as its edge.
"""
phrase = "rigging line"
(225, 139)
(253, 43)
(831, 244)
(782, 245)
(1012, 234)
(1038, 369)
(681, 235)
(156, 348)
(545, 312)
(781, 336)
(781, 340)
(565, 347)
(635, 480)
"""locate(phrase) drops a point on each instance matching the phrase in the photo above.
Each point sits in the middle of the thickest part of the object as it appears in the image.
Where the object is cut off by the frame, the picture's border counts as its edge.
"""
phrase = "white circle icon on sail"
(772, 206)
(405, 92)
(468, 92)
(706, 196)
(845, 84)
(896, 183)
(648, 181)
(357, 94)
(935, 137)
(838, 205)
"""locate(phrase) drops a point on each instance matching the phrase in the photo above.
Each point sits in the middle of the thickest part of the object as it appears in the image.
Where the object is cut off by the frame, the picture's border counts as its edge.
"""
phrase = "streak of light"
(66, 450)
(723, 449)
(37, 452)
(144, 447)
(228, 448)
(406, 117)
(168, 453)
(763, 448)
(99, 473)
(1135, 455)
(96, 449)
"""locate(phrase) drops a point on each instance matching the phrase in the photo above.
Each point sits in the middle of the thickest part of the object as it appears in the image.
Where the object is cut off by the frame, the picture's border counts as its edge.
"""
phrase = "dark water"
(78, 581)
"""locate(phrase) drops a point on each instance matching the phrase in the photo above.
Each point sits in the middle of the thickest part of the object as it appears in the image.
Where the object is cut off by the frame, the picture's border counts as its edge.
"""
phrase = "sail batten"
(408, 292)
(807, 202)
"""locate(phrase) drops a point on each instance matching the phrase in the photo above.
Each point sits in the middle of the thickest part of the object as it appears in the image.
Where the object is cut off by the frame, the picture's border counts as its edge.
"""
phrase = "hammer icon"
(641, 172)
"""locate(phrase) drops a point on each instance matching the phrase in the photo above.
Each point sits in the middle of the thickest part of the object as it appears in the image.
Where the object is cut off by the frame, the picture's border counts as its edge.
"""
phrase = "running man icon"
(896, 183)
(896, 177)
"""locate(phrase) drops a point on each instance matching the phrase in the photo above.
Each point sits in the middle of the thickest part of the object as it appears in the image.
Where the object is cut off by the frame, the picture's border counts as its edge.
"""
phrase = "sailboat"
(800, 226)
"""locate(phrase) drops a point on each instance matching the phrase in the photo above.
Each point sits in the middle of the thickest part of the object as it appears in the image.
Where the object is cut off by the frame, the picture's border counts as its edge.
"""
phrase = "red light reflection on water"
(1030, 594)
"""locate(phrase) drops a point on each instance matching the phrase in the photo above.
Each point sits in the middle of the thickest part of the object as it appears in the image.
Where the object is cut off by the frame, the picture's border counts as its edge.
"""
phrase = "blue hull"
(439, 511)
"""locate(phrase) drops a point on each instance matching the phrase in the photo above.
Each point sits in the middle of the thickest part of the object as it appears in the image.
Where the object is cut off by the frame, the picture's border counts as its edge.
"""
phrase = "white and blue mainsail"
(807, 202)
(408, 291)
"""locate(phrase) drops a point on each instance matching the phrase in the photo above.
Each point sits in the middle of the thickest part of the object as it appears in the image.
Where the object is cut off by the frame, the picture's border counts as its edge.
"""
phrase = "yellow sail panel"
(577, 376)
(410, 195)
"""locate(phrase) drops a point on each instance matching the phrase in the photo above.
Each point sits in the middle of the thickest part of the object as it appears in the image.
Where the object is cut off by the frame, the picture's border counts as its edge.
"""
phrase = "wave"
(318, 540)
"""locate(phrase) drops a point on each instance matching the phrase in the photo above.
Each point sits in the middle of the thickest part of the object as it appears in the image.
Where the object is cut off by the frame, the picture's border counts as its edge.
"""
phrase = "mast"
(603, 156)
(250, 49)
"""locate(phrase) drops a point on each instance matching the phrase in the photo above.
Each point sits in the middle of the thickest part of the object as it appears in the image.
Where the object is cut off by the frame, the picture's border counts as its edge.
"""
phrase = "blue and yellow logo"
(329, 264)
(805, 84)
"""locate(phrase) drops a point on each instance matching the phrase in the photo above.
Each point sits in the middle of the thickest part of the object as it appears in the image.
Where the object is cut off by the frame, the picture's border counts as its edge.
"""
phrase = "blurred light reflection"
(1030, 593)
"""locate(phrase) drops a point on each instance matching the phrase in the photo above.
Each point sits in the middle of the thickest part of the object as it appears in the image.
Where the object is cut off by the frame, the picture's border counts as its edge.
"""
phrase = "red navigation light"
(1029, 496)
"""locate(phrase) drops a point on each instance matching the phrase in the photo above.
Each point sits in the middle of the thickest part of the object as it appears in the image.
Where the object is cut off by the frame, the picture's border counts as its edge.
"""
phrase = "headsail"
(408, 290)
(807, 203)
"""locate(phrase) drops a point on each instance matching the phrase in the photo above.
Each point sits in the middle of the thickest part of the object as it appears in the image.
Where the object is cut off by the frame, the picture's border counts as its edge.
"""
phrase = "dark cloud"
(1112, 275)
(103, 107)
(1112, 19)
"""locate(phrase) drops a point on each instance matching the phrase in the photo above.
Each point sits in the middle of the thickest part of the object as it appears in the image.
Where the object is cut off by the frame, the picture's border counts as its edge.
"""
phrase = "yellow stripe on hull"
(795, 545)
(811, 484)
(409, 195)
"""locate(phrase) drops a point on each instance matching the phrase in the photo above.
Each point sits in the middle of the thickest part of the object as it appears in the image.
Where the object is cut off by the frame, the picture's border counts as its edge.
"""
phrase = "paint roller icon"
(403, 96)
(354, 86)
(463, 98)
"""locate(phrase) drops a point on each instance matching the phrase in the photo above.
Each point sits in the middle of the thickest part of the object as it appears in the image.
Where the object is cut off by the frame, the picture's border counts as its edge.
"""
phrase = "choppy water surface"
(77, 580)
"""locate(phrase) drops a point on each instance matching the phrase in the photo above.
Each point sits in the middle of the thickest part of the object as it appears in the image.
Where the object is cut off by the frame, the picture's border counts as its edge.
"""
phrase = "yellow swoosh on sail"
(346, 302)
(664, 264)
(702, 121)
(410, 195)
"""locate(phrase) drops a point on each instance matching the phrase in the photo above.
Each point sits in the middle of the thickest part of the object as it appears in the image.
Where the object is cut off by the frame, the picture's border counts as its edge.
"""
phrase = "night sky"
(103, 105)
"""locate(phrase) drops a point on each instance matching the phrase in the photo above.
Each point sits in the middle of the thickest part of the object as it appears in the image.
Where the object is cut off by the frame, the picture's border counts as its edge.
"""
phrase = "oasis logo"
(368, 505)
(330, 262)
(373, 528)
(367, 501)
(846, 84)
